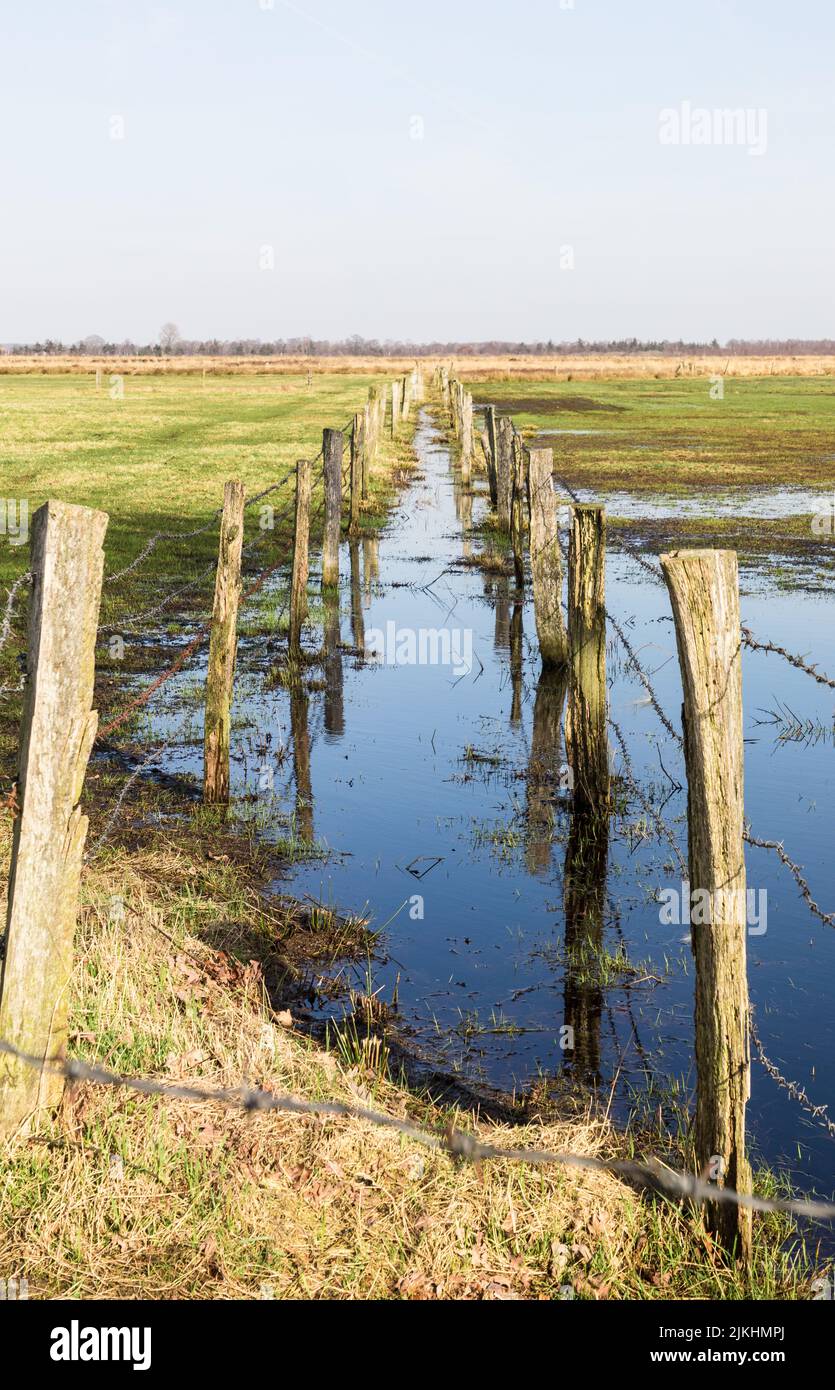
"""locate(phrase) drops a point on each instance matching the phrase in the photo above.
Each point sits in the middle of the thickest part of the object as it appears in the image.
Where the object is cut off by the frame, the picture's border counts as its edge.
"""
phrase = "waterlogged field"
(416, 773)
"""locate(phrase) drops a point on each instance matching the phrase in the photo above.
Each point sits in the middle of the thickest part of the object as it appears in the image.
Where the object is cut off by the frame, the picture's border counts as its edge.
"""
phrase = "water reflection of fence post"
(546, 559)
(332, 637)
(357, 619)
(301, 556)
(587, 725)
(301, 761)
(516, 665)
(332, 448)
(223, 644)
(57, 729)
(543, 762)
(704, 590)
(584, 899)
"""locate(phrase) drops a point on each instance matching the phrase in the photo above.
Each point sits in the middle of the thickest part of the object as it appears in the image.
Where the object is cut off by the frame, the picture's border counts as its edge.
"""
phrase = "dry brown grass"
(579, 367)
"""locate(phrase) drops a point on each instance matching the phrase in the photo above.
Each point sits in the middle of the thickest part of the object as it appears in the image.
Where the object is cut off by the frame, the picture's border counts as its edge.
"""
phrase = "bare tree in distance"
(169, 337)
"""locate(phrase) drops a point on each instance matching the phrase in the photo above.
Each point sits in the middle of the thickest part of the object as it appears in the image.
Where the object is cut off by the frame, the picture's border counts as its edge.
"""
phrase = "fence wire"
(459, 1144)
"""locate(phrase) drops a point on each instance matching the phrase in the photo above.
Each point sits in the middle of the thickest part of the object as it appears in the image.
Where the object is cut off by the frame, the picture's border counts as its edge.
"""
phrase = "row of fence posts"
(704, 591)
(58, 726)
(50, 830)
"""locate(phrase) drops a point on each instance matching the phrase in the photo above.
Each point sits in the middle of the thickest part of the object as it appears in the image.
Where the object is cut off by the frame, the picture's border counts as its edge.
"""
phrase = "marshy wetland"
(409, 777)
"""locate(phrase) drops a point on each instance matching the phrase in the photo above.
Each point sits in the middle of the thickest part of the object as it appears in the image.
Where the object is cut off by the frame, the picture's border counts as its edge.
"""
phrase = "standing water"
(438, 784)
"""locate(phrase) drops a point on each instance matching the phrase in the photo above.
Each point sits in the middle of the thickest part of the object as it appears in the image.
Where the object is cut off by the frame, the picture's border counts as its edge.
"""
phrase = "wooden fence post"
(491, 453)
(301, 555)
(368, 447)
(466, 436)
(504, 469)
(223, 644)
(518, 510)
(57, 730)
(587, 723)
(704, 590)
(395, 407)
(357, 450)
(546, 561)
(333, 444)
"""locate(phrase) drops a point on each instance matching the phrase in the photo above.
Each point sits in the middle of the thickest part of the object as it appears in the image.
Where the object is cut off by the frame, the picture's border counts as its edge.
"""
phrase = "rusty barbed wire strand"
(154, 541)
(133, 618)
(144, 696)
(154, 756)
(459, 1144)
(797, 1092)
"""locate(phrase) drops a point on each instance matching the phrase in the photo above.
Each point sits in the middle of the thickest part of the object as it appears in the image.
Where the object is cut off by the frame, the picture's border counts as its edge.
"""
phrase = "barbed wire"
(459, 1144)
(154, 756)
(11, 596)
(797, 1092)
(160, 536)
(797, 661)
(777, 848)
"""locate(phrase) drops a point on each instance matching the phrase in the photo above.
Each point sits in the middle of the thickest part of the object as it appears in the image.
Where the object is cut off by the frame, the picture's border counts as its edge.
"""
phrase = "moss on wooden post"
(704, 590)
(546, 560)
(587, 725)
(301, 560)
(57, 730)
(333, 444)
(223, 644)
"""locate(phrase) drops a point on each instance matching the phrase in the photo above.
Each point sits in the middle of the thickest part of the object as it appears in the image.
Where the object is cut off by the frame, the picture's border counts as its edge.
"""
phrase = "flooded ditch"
(425, 759)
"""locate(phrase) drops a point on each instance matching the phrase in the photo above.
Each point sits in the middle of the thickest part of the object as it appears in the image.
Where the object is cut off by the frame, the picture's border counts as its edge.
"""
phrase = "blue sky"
(463, 170)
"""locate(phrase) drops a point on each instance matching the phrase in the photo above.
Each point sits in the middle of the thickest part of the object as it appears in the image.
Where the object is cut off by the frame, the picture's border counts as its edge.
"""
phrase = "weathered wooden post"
(395, 407)
(491, 452)
(546, 561)
(704, 591)
(518, 510)
(587, 722)
(223, 644)
(301, 553)
(453, 407)
(368, 447)
(380, 397)
(357, 449)
(504, 469)
(466, 437)
(333, 444)
(57, 729)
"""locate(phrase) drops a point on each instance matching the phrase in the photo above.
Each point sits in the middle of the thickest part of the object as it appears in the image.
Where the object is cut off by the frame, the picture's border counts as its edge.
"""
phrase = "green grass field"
(156, 459)
(668, 435)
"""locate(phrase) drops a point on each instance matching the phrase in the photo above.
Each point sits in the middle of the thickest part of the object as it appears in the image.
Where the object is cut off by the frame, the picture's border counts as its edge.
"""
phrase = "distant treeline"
(372, 347)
